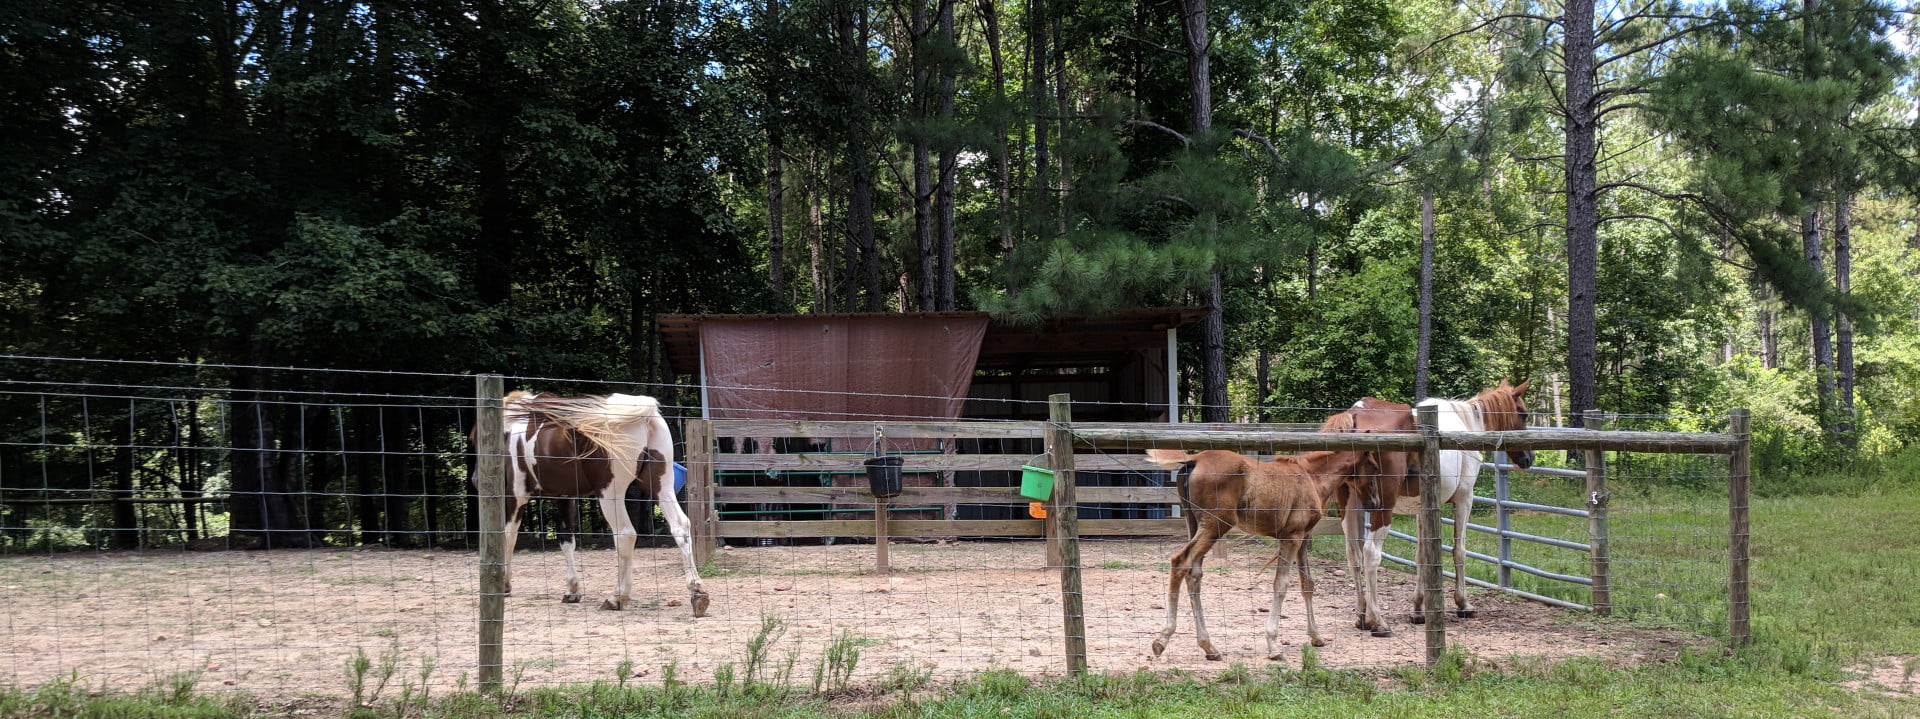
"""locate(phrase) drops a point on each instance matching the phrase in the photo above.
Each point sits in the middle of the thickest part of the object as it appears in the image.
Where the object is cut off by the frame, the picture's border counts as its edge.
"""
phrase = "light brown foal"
(1283, 499)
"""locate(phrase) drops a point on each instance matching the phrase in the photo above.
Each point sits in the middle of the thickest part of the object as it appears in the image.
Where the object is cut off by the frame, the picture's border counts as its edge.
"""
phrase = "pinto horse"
(1500, 409)
(1283, 499)
(568, 448)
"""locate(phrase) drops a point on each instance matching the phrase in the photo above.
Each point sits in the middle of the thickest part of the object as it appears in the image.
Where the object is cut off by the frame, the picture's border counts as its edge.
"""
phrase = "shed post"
(1433, 607)
(490, 470)
(700, 509)
(1065, 517)
(1597, 528)
(1740, 626)
(1503, 519)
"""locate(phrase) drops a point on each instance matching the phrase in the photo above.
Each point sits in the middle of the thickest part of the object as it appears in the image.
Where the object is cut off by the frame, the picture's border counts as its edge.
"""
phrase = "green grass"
(1830, 580)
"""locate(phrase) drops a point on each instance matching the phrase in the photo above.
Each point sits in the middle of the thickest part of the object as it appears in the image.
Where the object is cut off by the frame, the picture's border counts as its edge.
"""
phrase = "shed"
(1119, 367)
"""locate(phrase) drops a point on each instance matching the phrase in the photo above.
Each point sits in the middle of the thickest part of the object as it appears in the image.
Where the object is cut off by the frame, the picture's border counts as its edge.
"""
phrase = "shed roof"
(1064, 341)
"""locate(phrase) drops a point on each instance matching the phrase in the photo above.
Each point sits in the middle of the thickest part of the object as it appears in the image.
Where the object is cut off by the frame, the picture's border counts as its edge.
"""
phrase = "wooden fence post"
(490, 469)
(1597, 529)
(1503, 519)
(1065, 514)
(882, 563)
(1739, 620)
(1433, 606)
(700, 507)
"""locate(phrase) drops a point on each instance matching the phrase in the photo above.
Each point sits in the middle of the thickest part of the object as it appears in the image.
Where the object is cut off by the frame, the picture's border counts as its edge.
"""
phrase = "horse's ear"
(1522, 387)
(1503, 383)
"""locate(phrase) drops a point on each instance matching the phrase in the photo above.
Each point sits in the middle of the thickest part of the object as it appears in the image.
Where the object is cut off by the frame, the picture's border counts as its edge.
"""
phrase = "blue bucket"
(679, 477)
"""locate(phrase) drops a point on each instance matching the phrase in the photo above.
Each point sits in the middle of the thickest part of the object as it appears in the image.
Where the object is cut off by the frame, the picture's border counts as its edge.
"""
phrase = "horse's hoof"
(1419, 619)
(613, 605)
(1158, 647)
(700, 602)
(1466, 613)
(1213, 657)
(569, 598)
(1276, 657)
(1361, 623)
(1318, 642)
(1383, 632)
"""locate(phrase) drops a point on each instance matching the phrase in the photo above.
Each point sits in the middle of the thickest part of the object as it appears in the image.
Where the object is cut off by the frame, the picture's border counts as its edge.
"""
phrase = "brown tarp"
(870, 367)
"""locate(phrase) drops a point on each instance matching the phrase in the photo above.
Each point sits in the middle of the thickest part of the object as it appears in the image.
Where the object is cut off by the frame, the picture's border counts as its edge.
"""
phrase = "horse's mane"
(603, 420)
(1499, 402)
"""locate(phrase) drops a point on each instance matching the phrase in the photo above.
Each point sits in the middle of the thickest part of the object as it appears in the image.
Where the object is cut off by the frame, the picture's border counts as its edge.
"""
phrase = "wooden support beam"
(490, 471)
(1433, 605)
(1065, 513)
(1739, 465)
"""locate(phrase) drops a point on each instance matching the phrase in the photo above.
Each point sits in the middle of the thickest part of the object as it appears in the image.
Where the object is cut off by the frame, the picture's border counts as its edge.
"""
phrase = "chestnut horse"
(569, 448)
(1374, 496)
(1283, 499)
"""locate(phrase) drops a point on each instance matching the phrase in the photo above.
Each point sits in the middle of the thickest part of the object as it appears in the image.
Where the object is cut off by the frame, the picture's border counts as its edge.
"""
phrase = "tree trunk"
(819, 262)
(1843, 324)
(1003, 160)
(949, 164)
(1769, 334)
(1822, 343)
(1423, 352)
(1062, 106)
(1037, 96)
(854, 34)
(776, 218)
(1193, 20)
(923, 182)
(261, 506)
(1583, 218)
(126, 522)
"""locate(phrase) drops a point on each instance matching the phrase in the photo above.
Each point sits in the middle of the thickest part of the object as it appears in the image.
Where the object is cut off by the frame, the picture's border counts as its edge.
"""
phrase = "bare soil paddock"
(284, 623)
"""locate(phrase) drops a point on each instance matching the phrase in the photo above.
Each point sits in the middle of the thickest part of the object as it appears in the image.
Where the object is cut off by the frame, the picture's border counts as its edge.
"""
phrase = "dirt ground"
(286, 623)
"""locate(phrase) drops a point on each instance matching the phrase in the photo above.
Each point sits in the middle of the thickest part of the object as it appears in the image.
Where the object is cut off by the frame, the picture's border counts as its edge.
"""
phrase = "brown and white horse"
(1373, 496)
(568, 448)
(1283, 499)
(1500, 409)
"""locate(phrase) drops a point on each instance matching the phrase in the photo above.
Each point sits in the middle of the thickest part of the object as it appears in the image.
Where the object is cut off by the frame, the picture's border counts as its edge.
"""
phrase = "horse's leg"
(1282, 577)
(681, 527)
(1306, 591)
(1462, 506)
(1177, 569)
(1371, 548)
(1353, 533)
(1195, 572)
(615, 509)
(512, 531)
(569, 538)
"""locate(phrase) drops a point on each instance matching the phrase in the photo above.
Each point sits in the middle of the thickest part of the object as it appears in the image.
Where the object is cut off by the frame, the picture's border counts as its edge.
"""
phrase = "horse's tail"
(1186, 502)
(602, 420)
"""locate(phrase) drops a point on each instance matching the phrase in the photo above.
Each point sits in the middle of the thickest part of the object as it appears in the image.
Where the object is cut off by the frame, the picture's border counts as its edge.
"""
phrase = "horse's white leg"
(1282, 577)
(1306, 591)
(615, 509)
(1371, 549)
(569, 537)
(1176, 575)
(512, 537)
(1462, 506)
(682, 529)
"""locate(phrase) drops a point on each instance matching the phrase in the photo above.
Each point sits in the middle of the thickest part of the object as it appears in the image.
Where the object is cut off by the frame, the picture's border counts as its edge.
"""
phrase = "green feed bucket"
(1036, 483)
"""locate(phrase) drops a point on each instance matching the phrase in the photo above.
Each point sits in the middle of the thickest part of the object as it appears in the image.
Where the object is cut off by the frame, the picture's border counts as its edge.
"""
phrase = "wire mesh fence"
(268, 539)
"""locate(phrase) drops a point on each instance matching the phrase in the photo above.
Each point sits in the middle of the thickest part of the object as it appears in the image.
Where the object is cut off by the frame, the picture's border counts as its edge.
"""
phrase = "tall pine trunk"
(922, 160)
(949, 164)
(1583, 217)
(1817, 324)
(1061, 108)
(776, 219)
(863, 259)
(1037, 97)
(1423, 352)
(819, 262)
(1003, 158)
(1843, 324)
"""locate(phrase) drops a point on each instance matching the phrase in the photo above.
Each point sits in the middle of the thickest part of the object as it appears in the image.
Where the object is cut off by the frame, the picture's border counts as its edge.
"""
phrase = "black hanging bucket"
(883, 476)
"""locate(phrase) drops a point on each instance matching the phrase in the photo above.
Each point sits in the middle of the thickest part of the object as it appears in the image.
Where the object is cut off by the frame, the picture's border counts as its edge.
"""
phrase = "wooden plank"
(1739, 463)
(1597, 529)
(490, 468)
(1065, 511)
(1165, 436)
(1011, 528)
(865, 430)
(1014, 528)
(1433, 606)
(1568, 439)
(850, 463)
(911, 496)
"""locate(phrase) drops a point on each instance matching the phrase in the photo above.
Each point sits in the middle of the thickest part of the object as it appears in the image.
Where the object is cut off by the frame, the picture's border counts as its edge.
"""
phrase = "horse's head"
(1504, 408)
